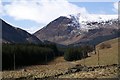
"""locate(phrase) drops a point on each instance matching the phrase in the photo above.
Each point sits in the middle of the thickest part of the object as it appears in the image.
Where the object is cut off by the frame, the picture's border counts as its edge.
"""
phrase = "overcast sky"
(32, 15)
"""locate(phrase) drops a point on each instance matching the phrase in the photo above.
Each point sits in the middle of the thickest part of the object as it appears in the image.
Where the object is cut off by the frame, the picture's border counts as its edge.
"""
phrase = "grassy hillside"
(107, 56)
(60, 66)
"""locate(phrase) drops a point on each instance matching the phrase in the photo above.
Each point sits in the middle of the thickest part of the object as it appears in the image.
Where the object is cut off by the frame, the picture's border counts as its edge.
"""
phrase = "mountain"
(59, 30)
(12, 34)
(80, 29)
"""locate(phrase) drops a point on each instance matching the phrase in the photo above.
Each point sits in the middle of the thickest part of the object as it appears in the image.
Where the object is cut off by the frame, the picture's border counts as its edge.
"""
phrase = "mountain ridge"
(68, 30)
(12, 34)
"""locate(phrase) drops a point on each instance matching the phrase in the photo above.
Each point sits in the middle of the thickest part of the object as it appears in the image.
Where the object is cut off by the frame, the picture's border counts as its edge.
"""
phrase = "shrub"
(105, 45)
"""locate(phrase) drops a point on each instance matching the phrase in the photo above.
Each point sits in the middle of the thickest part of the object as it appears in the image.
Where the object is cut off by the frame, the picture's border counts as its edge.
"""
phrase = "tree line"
(27, 54)
(77, 53)
(20, 55)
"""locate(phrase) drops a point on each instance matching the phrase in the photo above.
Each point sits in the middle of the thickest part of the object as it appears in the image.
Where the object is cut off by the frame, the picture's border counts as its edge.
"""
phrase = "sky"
(32, 15)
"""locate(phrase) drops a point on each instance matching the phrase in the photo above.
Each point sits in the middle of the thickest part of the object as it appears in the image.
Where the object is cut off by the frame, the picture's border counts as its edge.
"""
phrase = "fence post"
(14, 60)
(83, 58)
(46, 58)
(95, 49)
(98, 58)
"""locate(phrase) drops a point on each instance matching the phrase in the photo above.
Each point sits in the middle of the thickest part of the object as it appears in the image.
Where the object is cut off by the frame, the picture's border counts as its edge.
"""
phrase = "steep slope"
(76, 29)
(58, 30)
(96, 36)
(12, 34)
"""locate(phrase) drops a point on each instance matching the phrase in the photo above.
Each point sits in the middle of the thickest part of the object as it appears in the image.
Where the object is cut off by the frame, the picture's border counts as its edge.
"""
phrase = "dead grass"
(59, 65)
(57, 60)
(107, 56)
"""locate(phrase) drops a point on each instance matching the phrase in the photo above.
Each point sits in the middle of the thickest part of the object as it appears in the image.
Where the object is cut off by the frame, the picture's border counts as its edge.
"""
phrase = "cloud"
(1, 8)
(115, 5)
(41, 11)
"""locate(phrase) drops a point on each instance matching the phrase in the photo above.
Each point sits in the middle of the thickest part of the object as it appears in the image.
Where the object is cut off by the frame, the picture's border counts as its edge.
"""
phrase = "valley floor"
(59, 68)
(63, 70)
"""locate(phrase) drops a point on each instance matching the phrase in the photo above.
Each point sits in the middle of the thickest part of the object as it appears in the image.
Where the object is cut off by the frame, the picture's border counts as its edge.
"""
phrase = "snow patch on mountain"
(75, 20)
(81, 21)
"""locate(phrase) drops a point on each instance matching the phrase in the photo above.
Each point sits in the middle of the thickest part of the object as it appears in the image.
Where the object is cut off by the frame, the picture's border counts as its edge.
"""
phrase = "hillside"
(69, 30)
(61, 69)
(107, 56)
(12, 34)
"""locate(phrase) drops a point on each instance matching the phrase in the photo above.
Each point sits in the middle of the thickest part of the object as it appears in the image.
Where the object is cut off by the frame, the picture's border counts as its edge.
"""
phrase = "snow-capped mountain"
(92, 21)
(80, 28)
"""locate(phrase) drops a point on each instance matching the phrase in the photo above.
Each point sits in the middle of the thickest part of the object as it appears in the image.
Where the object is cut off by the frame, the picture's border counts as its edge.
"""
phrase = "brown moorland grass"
(59, 65)
(107, 56)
